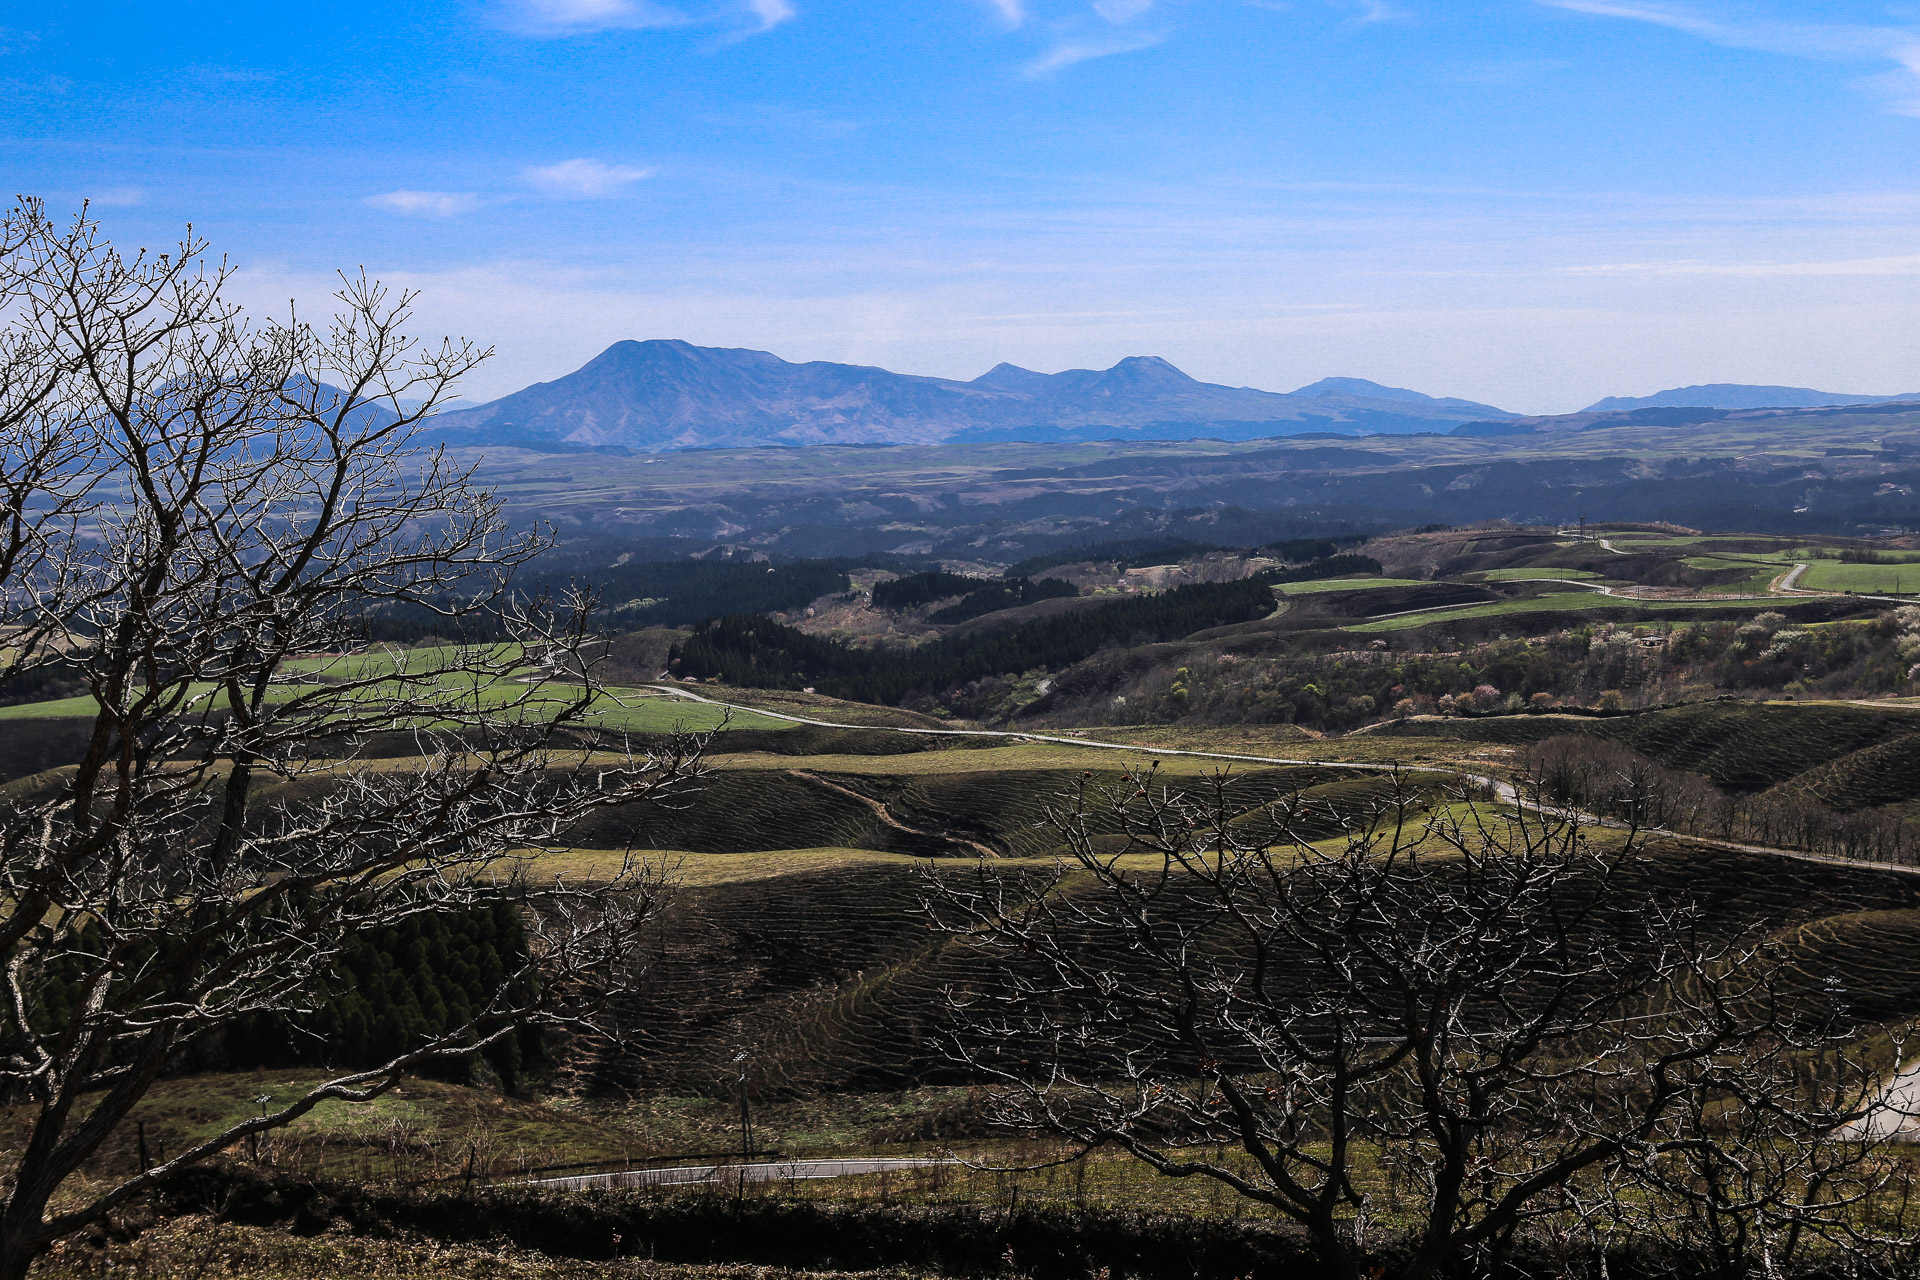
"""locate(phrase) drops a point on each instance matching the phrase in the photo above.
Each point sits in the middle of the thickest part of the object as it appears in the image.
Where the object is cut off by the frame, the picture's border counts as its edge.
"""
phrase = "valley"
(1761, 680)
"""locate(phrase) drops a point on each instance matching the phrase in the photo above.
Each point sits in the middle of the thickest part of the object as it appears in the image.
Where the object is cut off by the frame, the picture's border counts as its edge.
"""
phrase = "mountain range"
(667, 394)
(1739, 395)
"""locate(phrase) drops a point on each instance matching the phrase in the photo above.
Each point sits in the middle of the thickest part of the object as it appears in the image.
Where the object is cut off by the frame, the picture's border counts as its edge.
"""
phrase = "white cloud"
(771, 13)
(1827, 41)
(1121, 11)
(1011, 12)
(578, 17)
(1380, 11)
(1069, 53)
(426, 204)
(583, 179)
(117, 198)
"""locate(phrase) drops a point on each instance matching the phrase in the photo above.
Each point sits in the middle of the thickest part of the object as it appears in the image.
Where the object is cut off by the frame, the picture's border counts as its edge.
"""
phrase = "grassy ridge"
(1740, 746)
(758, 653)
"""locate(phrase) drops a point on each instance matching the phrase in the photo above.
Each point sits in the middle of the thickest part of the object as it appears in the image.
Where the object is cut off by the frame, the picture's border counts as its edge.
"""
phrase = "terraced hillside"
(968, 802)
(831, 982)
(1739, 746)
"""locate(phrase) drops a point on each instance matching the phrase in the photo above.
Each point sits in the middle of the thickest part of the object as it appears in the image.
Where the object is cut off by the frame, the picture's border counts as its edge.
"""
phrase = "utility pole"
(746, 1114)
(263, 1100)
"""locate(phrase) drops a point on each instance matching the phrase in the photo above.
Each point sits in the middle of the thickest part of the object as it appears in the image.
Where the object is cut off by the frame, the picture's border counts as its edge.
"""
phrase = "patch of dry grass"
(192, 1247)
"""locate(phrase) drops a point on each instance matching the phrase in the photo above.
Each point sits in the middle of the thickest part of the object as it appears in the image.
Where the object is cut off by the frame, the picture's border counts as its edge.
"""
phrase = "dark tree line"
(1008, 594)
(978, 596)
(754, 652)
(920, 588)
(391, 988)
(1346, 566)
(1133, 553)
(671, 593)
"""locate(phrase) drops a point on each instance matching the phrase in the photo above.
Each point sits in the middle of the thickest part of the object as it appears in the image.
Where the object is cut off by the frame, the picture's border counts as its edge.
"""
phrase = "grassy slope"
(1583, 601)
(816, 960)
(1739, 745)
(1871, 579)
(634, 711)
(1343, 584)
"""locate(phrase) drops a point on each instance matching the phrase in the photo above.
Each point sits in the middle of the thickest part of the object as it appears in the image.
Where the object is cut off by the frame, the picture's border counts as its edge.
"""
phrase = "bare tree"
(1777, 1159)
(201, 513)
(1459, 1020)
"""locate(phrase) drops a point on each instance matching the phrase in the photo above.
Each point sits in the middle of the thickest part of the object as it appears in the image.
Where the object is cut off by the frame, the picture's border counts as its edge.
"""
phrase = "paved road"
(1019, 736)
(770, 1171)
(1896, 1113)
(1502, 789)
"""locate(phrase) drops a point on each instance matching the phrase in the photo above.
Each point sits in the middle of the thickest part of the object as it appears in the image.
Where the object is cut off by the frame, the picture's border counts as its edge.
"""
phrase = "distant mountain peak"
(1736, 395)
(1011, 377)
(1358, 387)
(1149, 367)
(666, 393)
(1364, 389)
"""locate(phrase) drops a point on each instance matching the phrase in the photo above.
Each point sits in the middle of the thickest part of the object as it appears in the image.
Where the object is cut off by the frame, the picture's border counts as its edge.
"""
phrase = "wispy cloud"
(1827, 41)
(1379, 11)
(583, 179)
(1011, 12)
(426, 204)
(118, 198)
(1120, 12)
(771, 13)
(1073, 52)
(578, 17)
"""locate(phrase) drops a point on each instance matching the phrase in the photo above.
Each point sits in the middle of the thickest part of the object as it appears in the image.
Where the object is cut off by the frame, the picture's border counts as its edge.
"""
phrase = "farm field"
(628, 710)
(1342, 584)
(1532, 575)
(794, 948)
(1877, 579)
(1558, 601)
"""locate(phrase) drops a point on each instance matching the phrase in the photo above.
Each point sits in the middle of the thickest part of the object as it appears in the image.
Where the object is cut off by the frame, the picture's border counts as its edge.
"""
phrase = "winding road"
(1504, 791)
(769, 1171)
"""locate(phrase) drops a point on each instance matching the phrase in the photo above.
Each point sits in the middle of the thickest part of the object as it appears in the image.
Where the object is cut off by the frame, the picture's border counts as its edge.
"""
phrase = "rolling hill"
(663, 395)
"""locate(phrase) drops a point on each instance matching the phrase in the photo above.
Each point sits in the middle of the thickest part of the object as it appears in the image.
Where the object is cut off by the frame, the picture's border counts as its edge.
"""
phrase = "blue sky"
(1529, 202)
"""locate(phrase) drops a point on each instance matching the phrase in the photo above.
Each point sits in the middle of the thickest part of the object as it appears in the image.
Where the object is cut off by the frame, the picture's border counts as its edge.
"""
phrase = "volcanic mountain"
(666, 394)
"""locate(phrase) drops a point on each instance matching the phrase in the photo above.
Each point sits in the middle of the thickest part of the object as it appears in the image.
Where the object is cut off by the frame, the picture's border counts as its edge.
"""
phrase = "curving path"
(768, 1171)
(885, 817)
(1897, 1113)
(1504, 791)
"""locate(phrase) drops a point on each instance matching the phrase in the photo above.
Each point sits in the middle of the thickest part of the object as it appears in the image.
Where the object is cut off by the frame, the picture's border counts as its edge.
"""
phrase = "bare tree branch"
(202, 512)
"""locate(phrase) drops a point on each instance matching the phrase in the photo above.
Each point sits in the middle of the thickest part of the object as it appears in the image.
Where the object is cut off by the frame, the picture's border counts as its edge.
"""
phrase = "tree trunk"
(16, 1256)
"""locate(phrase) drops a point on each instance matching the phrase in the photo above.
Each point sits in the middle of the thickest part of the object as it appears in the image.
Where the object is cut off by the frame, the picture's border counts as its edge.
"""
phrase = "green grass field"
(1343, 584)
(632, 711)
(1544, 574)
(644, 713)
(1758, 576)
(1867, 579)
(1570, 600)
